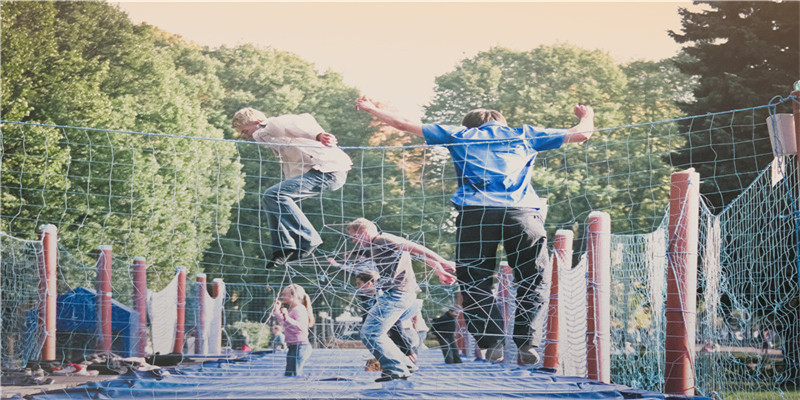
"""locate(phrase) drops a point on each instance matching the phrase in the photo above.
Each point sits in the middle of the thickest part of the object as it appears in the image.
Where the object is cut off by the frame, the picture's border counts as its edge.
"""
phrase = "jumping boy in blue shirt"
(497, 204)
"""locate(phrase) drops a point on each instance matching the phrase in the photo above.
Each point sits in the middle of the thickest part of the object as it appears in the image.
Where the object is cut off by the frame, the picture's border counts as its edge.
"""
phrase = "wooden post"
(562, 258)
(104, 264)
(48, 262)
(180, 321)
(796, 112)
(679, 344)
(201, 347)
(598, 297)
(140, 306)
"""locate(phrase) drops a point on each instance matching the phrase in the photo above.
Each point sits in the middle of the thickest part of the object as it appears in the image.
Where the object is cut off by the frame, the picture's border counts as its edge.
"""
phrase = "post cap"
(48, 228)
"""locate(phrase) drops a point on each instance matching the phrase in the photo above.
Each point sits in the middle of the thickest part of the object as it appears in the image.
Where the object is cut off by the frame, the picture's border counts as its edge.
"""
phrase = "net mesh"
(195, 202)
(21, 338)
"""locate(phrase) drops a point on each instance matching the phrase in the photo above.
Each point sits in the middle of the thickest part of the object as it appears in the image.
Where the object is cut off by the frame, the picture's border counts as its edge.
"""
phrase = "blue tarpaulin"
(76, 316)
(339, 374)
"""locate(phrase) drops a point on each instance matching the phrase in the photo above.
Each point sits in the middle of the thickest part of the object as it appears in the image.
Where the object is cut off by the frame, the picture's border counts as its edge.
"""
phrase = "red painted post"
(48, 261)
(140, 305)
(561, 259)
(216, 286)
(679, 344)
(598, 300)
(180, 322)
(796, 112)
(104, 264)
(202, 325)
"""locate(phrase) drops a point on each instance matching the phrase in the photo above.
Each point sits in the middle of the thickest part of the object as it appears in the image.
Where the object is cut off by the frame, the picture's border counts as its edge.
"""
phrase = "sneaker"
(528, 355)
(390, 377)
(282, 257)
(495, 352)
(307, 253)
(412, 368)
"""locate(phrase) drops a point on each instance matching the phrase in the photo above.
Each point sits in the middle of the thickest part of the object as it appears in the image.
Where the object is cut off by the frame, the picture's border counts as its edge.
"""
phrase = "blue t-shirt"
(494, 163)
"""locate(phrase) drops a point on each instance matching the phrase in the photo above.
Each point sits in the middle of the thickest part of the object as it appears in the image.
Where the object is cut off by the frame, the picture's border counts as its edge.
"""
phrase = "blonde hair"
(247, 115)
(305, 300)
(362, 223)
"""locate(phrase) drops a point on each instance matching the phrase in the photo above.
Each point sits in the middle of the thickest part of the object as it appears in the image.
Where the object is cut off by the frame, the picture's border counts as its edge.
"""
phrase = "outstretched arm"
(583, 131)
(389, 118)
(444, 268)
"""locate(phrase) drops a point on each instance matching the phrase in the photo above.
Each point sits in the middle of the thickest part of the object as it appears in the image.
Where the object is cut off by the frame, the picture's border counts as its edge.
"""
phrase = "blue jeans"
(296, 357)
(388, 309)
(288, 226)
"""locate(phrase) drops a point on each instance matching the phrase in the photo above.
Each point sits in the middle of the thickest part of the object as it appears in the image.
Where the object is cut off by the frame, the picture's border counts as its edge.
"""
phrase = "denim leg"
(303, 353)
(291, 361)
(381, 317)
(288, 226)
(526, 249)
(479, 231)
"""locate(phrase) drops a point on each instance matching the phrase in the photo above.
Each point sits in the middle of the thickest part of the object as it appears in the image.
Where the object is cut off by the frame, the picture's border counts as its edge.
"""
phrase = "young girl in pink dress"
(296, 321)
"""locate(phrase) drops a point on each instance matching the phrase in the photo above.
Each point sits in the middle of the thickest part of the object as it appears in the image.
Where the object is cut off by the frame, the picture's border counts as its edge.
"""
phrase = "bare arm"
(440, 265)
(583, 131)
(389, 118)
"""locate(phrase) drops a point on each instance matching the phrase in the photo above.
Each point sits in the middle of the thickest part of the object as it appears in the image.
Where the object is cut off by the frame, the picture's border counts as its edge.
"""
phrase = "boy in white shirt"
(311, 164)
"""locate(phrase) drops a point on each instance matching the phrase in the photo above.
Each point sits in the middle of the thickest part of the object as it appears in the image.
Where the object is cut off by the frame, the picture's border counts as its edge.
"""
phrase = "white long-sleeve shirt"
(294, 139)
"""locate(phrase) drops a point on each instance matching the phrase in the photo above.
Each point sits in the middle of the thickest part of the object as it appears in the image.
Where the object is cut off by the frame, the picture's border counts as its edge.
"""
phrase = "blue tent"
(76, 324)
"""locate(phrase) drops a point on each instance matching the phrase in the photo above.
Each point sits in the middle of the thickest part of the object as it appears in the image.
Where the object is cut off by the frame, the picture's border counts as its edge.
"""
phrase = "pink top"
(295, 325)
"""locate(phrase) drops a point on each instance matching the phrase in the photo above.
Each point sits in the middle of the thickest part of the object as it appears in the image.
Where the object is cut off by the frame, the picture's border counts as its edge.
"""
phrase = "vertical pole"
(561, 259)
(140, 305)
(598, 292)
(679, 344)
(796, 113)
(201, 346)
(215, 336)
(104, 263)
(180, 322)
(47, 288)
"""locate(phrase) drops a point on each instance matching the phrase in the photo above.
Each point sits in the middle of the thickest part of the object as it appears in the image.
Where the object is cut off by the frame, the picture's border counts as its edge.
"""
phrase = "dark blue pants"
(521, 231)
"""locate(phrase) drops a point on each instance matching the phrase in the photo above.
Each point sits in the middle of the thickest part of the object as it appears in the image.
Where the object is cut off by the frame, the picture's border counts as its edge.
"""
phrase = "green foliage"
(92, 67)
(743, 54)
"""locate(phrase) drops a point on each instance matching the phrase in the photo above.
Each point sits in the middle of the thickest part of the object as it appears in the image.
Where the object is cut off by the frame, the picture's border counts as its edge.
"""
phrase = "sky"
(392, 52)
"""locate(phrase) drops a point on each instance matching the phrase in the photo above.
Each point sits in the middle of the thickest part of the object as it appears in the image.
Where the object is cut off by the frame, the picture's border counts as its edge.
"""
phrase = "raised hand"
(445, 277)
(327, 139)
(365, 104)
(449, 266)
(583, 111)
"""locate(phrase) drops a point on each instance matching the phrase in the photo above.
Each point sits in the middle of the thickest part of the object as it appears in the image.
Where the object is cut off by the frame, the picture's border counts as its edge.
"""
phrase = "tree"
(743, 54)
(123, 189)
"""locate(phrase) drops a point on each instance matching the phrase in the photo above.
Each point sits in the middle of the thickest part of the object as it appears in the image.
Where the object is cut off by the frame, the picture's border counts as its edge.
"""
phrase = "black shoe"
(282, 257)
(390, 377)
(307, 253)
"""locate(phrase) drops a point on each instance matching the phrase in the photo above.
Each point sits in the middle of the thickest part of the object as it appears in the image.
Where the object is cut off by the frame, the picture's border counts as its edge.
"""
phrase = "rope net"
(182, 201)
(22, 300)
